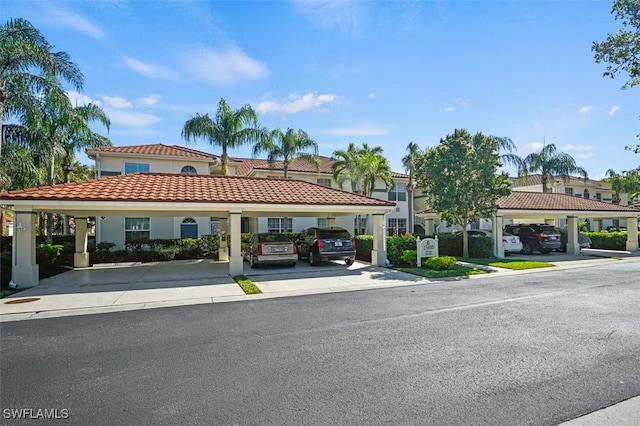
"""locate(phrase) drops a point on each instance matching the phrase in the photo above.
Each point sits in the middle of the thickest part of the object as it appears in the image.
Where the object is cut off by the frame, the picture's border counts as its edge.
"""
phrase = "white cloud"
(585, 156)
(66, 18)
(614, 109)
(150, 71)
(116, 102)
(223, 68)
(345, 15)
(531, 147)
(295, 104)
(449, 109)
(372, 95)
(577, 148)
(585, 109)
(131, 118)
(462, 102)
(149, 100)
(79, 99)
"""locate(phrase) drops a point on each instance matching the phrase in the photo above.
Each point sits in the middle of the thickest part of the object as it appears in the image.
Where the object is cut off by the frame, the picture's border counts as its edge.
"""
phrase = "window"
(360, 224)
(397, 226)
(398, 192)
(598, 196)
(280, 224)
(136, 228)
(323, 222)
(189, 228)
(585, 193)
(135, 168)
(324, 182)
(568, 191)
(189, 170)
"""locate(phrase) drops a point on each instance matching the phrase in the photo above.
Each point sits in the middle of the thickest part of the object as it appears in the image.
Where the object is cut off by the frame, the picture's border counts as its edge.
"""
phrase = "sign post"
(426, 248)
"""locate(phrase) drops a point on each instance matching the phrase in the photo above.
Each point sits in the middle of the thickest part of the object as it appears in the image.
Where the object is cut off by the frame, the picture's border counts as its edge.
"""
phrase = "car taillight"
(353, 242)
(295, 249)
(259, 249)
(540, 235)
(320, 245)
(504, 240)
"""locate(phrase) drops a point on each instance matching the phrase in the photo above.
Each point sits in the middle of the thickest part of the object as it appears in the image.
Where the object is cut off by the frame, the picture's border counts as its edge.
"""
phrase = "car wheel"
(313, 260)
(526, 248)
(349, 262)
(253, 263)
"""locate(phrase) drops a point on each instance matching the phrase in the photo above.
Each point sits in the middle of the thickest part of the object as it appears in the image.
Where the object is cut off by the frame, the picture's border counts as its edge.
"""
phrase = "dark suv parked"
(318, 244)
(542, 238)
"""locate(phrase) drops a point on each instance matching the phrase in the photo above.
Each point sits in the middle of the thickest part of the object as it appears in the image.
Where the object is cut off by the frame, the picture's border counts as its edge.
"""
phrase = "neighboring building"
(177, 159)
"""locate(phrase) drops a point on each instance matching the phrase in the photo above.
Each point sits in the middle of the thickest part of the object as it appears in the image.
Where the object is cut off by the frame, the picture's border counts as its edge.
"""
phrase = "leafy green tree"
(288, 147)
(229, 129)
(409, 164)
(29, 67)
(627, 182)
(459, 178)
(347, 167)
(622, 50)
(551, 164)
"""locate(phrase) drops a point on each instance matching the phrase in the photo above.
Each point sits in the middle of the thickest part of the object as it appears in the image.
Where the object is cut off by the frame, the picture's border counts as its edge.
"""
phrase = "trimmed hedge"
(440, 263)
(608, 240)
(364, 246)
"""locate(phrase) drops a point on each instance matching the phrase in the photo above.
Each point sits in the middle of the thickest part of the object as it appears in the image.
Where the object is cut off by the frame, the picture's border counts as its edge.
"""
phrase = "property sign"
(426, 248)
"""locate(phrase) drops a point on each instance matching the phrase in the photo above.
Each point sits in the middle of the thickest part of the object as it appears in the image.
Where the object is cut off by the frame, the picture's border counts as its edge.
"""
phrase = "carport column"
(572, 235)
(223, 251)
(24, 270)
(81, 256)
(253, 225)
(235, 260)
(379, 252)
(498, 248)
(632, 233)
(331, 221)
(428, 227)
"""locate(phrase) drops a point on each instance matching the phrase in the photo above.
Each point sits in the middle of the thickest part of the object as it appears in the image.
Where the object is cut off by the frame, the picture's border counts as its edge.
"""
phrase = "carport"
(545, 207)
(161, 194)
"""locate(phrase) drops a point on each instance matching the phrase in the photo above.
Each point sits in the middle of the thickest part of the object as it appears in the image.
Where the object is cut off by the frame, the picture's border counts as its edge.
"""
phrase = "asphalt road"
(533, 349)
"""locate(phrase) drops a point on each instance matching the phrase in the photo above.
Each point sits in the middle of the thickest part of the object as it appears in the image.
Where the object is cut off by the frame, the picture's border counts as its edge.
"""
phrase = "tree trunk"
(410, 208)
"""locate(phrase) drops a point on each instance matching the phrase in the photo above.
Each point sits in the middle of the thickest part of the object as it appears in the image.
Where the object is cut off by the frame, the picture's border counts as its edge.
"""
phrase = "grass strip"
(513, 264)
(457, 271)
(247, 285)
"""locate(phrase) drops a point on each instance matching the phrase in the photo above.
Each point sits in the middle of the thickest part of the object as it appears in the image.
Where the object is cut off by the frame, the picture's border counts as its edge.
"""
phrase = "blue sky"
(375, 72)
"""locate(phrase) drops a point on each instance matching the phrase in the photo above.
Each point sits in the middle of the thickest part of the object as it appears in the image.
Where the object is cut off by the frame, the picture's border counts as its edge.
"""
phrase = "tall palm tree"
(374, 167)
(615, 180)
(627, 182)
(289, 147)
(230, 129)
(409, 164)
(551, 164)
(507, 146)
(347, 167)
(23, 51)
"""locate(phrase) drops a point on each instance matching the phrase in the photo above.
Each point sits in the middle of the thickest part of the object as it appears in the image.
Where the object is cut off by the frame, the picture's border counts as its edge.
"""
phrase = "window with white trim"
(398, 192)
(135, 168)
(568, 191)
(323, 222)
(324, 182)
(136, 228)
(279, 224)
(188, 170)
(397, 226)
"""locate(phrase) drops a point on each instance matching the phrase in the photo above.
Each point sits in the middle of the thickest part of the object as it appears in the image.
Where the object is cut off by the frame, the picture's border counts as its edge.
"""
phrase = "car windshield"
(334, 233)
(273, 238)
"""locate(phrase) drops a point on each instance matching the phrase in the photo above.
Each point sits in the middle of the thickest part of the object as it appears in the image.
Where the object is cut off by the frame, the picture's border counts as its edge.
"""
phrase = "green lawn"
(457, 271)
(514, 264)
(247, 285)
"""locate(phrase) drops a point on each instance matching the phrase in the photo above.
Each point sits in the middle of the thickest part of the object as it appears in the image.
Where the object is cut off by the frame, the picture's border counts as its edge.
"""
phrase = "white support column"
(24, 269)
(235, 260)
(379, 252)
(497, 223)
(596, 225)
(331, 221)
(223, 252)
(428, 227)
(572, 235)
(81, 256)
(632, 233)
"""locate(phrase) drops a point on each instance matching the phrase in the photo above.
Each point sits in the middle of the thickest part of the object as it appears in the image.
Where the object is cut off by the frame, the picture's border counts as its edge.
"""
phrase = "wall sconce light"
(21, 228)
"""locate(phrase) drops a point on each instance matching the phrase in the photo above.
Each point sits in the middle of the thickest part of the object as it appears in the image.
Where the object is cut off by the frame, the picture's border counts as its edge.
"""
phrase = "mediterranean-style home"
(160, 158)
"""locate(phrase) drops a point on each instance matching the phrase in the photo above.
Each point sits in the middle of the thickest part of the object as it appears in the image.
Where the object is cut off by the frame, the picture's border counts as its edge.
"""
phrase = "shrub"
(364, 246)
(440, 263)
(608, 240)
(410, 257)
(105, 246)
(396, 246)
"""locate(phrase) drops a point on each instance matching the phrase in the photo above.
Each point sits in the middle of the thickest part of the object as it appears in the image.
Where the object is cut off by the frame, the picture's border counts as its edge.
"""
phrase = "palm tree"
(374, 167)
(230, 129)
(23, 50)
(506, 144)
(550, 164)
(615, 180)
(346, 167)
(289, 147)
(409, 164)
(626, 182)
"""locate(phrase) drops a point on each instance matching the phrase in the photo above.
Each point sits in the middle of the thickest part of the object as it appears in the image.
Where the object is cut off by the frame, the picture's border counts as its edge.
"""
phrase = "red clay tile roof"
(523, 200)
(179, 188)
(326, 164)
(537, 180)
(154, 149)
